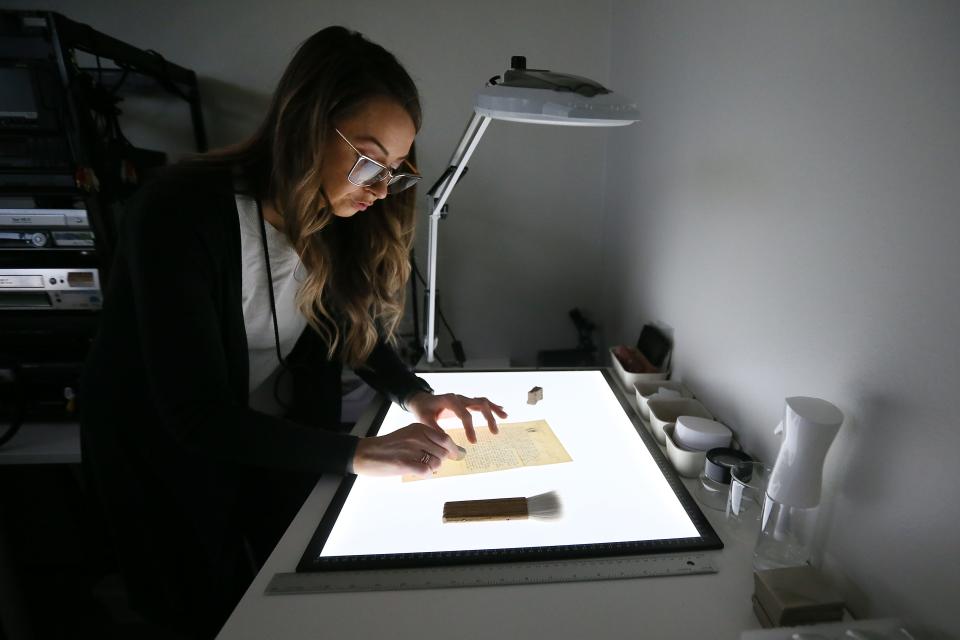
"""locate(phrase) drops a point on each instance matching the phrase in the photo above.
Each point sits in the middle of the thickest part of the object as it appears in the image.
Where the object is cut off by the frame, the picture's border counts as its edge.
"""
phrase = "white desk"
(712, 606)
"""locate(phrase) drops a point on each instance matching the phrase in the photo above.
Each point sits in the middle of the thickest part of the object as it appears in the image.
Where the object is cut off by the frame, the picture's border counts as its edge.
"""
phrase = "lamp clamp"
(518, 75)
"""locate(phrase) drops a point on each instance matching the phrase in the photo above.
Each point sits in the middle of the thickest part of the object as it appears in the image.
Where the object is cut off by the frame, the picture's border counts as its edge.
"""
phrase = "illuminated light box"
(619, 494)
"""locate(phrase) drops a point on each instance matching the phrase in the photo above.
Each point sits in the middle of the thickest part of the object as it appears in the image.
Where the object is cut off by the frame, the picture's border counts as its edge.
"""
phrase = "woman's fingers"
(421, 447)
(491, 421)
(453, 405)
(459, 408)
(447, 445)
(436, 447)
(431, 442)
(487, 408)
(416, 448)
(428, 463)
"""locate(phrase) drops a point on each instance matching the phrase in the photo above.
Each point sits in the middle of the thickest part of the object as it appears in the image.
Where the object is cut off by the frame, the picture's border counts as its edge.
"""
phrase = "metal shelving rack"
(61, 157)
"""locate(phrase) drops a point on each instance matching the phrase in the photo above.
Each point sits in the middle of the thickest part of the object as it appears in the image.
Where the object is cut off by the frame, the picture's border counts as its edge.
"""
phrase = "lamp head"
(541, 96)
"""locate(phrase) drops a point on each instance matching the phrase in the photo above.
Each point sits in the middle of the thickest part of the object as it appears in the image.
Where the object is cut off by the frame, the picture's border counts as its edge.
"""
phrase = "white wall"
(522, 243)
(789, 205)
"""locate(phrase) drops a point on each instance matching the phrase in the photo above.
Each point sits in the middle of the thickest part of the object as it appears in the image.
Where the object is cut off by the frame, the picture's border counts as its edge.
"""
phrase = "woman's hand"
(429, 408)
(416, 449)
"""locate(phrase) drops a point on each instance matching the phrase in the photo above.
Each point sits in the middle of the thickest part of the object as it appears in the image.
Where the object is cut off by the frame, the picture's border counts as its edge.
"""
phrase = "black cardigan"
(168, 437)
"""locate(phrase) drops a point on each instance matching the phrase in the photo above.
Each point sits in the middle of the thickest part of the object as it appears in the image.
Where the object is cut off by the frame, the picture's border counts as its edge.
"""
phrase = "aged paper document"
(519, 444)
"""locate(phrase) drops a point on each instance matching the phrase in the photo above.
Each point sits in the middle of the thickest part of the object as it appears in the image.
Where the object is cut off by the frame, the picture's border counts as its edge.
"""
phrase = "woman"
(243, 278)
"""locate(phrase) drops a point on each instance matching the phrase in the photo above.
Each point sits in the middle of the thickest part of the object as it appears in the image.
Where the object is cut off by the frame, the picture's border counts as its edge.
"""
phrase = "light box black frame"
(708, 540)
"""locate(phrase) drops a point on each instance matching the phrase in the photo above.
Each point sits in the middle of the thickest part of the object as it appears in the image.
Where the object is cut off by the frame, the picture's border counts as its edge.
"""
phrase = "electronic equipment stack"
(65, 170)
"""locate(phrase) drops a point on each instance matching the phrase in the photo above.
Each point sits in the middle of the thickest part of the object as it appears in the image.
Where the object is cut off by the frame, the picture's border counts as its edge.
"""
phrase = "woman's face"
(380, 129)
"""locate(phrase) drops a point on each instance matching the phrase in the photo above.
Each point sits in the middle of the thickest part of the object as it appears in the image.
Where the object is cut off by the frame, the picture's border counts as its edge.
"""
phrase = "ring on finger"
(425, 458)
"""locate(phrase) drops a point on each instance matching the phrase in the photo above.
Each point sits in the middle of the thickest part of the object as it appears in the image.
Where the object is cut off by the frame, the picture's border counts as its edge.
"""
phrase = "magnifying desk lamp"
(536, 96)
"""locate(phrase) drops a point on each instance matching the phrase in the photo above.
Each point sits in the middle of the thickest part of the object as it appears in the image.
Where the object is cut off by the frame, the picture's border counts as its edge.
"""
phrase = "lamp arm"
(436, 199)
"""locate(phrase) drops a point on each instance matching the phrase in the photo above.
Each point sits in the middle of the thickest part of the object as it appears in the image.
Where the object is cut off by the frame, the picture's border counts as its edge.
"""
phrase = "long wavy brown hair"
(356, 267)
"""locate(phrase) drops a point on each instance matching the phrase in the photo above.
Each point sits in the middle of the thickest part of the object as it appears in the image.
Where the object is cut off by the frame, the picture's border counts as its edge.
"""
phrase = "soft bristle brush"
(543, 506)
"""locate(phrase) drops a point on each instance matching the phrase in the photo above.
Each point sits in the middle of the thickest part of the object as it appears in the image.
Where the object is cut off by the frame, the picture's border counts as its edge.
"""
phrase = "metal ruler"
(490, 575)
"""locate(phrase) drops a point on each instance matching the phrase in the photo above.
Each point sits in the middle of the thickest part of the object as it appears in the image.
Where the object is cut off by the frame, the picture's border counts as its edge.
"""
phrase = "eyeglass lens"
(368, 173)
(402, 182)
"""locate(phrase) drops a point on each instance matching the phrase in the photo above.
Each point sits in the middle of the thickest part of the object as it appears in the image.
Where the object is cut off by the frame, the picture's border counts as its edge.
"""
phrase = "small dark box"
(654, 344)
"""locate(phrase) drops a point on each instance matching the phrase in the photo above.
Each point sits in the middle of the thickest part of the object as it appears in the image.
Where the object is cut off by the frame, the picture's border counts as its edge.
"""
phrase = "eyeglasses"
(367, 172)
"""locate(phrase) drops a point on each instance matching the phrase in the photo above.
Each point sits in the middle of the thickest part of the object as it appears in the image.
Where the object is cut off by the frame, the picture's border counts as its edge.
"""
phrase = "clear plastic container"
(712, 494)
(748, 483)
(779, 543)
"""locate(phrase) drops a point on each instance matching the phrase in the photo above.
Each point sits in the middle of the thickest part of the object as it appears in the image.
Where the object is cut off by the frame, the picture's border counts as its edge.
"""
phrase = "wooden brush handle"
(480, 510)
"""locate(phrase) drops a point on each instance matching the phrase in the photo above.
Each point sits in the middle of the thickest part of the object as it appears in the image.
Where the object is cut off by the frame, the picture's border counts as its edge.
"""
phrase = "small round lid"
(721, 460)
(701, 433)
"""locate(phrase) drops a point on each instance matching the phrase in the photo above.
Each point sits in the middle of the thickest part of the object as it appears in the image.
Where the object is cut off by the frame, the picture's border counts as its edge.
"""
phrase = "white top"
(701, 434)
(288, 274)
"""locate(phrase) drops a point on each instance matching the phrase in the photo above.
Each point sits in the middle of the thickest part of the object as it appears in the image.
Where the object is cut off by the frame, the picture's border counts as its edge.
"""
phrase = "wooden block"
(762, 616)
(535, 395)
(797, 595)
(485, 510)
